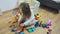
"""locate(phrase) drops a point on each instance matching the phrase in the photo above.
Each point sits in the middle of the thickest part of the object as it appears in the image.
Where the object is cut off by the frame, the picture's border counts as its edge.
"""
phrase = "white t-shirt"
(30, 21)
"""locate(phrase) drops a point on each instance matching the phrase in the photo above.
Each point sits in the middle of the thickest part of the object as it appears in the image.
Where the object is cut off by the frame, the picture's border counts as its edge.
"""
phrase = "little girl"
(27, 16)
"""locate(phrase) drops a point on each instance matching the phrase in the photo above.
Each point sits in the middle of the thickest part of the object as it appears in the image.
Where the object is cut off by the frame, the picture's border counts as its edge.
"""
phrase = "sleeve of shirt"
(28, 22)
(34, 21)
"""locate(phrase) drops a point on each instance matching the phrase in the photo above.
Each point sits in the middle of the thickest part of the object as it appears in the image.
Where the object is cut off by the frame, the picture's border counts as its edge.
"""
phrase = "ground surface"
(45, 14)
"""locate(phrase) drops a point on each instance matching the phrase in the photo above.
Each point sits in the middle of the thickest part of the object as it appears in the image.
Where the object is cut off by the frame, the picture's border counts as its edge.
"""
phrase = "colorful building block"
(33, 28)
(28, 27)
(21, 33)
(36, 17)
(37, 24)
(15, 29)
(12, 30)
(9, 21)
(10, 25)
(13, 21)
(48, 22)
(47, 27)
(30, 30)
(43, 25)
(49, 30)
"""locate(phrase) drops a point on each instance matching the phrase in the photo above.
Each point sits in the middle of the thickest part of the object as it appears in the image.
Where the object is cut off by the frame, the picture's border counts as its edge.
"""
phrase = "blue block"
(33, 28)
(43, 25)
(37, 24)
(21, 32)
(30, 30)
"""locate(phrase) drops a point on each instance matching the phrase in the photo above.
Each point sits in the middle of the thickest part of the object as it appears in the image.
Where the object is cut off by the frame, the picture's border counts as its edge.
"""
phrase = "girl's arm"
(20, 18)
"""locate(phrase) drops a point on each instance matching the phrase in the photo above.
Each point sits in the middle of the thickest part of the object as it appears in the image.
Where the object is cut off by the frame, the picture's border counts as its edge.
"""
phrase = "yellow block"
(9, 21)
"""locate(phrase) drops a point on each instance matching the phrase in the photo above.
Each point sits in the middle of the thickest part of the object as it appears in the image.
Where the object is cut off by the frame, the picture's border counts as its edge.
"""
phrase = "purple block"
(48, 22)
(15, 29)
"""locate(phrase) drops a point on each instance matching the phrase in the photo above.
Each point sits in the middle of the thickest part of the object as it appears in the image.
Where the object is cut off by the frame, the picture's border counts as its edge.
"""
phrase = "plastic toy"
(10, 25)
(48, 22)
(36, 17)
(49, 30)
(47, 27)
(13, 21)
(33, 28)
(30, 30)
(9, 21)
(14, 16)
(43, 25)
(28, 27)
(15, 29)
(21, 33)
(12, 30)
(37, 24)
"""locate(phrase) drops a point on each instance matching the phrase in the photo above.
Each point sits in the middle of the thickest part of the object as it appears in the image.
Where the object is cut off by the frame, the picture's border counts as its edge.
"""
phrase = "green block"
(10, 25)
(12, 29)
(29, 27)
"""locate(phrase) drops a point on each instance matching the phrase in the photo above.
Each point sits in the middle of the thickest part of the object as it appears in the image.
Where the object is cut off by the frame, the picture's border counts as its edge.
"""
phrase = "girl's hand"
(22, 24)
(18, 24)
